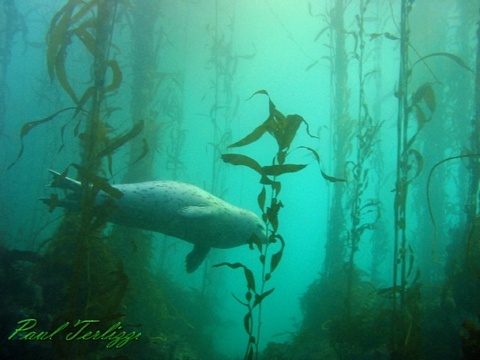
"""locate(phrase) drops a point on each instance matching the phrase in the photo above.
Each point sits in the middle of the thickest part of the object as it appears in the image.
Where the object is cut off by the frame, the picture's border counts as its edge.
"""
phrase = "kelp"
(91, 182)
(429, 197)
(61, 34)
(27, 127)
(284, 130)
(97, 182)
(93, 279)
(269, 170)
(363, 212)
(145, 151)
(450, 56)
(59, 38)
(12, 24)
(222, 67)
(405, 142)
(116, 143)
(416, 110)
(253, 299)
(83, 278)
(112, 145)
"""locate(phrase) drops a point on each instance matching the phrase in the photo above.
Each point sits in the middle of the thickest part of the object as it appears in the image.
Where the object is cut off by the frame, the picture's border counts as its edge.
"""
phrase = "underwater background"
(351, 128)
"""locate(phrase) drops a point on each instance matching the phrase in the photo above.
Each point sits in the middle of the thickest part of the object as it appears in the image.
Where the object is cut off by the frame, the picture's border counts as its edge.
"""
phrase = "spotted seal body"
(180, 210)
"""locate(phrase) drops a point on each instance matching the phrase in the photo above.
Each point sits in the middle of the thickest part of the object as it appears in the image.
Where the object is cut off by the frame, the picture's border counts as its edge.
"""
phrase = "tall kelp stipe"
(342, 291)
(86, 280)
(462, 272)
(146, 293)
(415, 110)
(283, 129)
(405, 318)
(223, 104)
(166, 312)
(92, 23)
(12, 24)
(342, 131)
(222, 67)
(382, 323)
(364, 212)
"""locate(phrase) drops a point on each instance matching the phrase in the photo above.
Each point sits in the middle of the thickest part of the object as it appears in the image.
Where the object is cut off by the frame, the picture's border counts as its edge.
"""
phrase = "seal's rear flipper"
(61, 181)
(72, 198)
(196, 257)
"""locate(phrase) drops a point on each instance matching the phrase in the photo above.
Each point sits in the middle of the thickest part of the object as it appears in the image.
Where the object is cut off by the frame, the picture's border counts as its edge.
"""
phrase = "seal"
(173, 208)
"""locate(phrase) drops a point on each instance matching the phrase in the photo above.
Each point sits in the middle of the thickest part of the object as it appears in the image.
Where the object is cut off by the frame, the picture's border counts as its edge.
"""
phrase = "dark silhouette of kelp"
(283, 129)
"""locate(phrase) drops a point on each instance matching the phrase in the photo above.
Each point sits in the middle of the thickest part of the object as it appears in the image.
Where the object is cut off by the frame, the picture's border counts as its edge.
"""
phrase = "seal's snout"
(261, 232)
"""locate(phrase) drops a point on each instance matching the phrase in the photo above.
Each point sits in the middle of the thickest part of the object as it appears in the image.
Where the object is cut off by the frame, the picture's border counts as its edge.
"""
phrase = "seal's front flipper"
(196, 257)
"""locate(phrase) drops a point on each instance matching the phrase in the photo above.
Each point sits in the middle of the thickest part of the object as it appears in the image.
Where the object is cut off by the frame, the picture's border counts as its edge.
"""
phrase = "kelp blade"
(238, 159)
(26, 128)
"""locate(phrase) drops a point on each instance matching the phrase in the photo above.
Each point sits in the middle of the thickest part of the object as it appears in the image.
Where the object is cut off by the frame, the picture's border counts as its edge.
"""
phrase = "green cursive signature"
(113, 335)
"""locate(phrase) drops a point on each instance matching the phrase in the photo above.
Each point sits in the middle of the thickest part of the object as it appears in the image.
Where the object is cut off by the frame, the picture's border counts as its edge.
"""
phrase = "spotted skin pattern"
(176, 209)
(185, 212)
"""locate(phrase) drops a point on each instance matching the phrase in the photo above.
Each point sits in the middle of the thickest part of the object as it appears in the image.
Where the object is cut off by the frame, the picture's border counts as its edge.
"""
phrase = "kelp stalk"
(283, 129)
(104, 23)
(475, 141)
(93, 280)
(341, 129)
(366, 133)
(401, 186)
(11, 23)
(90, 161)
